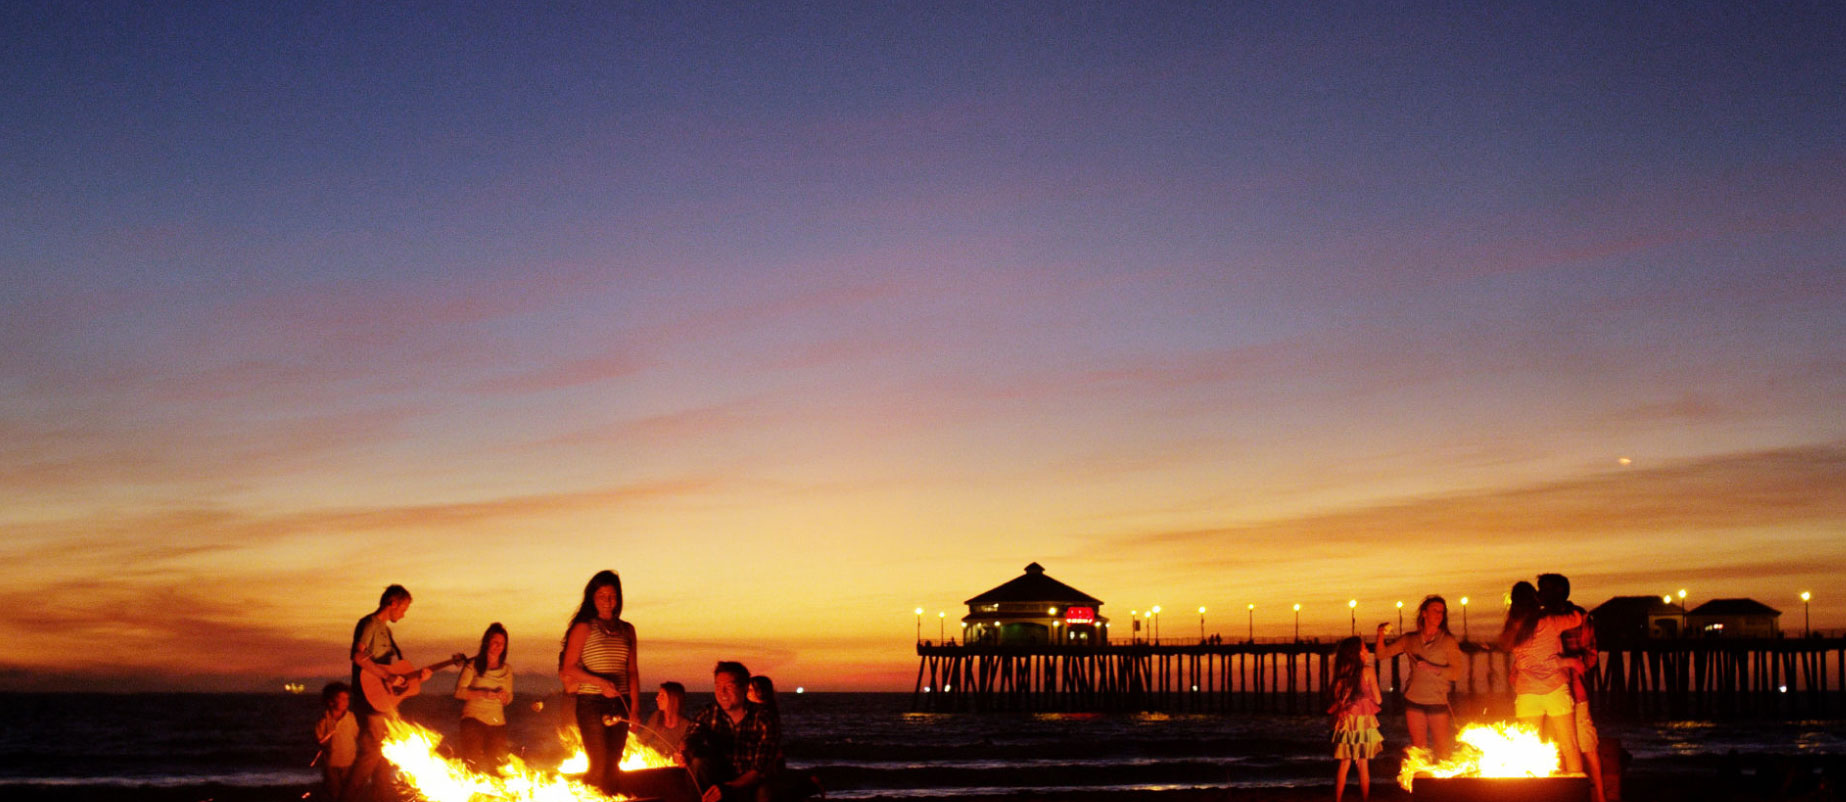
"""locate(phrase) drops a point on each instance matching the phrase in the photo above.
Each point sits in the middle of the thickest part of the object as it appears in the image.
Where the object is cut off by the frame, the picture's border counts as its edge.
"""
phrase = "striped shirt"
(607, 655)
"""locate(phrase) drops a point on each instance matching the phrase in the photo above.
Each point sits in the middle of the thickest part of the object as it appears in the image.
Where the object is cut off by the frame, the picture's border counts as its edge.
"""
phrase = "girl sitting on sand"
(1355, 708)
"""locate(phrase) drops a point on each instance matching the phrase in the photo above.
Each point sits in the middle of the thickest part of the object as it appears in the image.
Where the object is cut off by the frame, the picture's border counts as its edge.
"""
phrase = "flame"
(1485, 750)
(413, 750)
(635, 754)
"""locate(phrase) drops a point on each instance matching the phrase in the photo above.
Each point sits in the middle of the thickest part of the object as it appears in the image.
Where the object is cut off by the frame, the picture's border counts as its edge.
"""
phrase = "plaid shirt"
(1581, 643)
(752, 744)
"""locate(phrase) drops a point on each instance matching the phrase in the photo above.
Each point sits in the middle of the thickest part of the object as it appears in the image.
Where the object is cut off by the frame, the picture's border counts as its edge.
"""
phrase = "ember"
(1496, 750)
(433, 777)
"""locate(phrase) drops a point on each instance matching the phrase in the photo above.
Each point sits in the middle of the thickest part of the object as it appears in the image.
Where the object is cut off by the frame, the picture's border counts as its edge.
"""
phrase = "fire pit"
(1563, 788)
(1497, 762)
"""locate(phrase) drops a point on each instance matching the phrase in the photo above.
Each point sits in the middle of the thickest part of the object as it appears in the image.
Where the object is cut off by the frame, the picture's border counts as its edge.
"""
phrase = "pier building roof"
(1034, 586)
(1733, 607)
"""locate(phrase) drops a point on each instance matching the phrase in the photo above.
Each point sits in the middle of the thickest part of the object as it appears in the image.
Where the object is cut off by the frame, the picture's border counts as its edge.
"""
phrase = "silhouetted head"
(609, 606)
(1433, 613)
(730, 682)
(331, 696)
(1348, 670)
(672, 696)
(394, 602)
(1348, 652)
(493, 649)
(763, 690)
(1553, 590)
(1522, 614)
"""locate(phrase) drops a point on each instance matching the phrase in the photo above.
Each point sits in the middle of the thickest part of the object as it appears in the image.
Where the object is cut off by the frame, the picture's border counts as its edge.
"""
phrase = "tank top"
(605, 654)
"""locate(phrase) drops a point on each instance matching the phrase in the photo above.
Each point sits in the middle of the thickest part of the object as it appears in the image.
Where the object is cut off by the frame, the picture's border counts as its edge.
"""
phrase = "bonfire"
(1485, 750)
(440, 779)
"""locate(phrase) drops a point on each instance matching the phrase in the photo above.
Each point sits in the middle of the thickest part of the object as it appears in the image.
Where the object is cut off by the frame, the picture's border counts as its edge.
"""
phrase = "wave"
(242, 779)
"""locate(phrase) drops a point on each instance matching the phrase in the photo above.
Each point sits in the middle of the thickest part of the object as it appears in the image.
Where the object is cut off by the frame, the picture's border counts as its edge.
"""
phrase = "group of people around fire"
(733, 747)
(1551, 643)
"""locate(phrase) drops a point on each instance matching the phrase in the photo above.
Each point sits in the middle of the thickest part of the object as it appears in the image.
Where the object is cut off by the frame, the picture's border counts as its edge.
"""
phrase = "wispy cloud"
(1714, 495)
(1608, 523)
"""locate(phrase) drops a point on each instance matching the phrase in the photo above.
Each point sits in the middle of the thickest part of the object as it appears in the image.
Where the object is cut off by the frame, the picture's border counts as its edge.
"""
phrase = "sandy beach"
(1710, 784)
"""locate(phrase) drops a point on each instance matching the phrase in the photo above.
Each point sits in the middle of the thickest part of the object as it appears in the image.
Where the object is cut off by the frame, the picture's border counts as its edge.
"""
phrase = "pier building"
(1734, 618)
(1033, 609)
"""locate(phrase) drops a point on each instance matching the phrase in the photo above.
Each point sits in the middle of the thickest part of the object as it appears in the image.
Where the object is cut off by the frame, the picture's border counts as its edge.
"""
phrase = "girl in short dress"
(1355, 708)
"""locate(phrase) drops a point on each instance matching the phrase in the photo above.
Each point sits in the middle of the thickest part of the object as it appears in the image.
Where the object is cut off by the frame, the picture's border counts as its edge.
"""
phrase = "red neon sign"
(1079, 615)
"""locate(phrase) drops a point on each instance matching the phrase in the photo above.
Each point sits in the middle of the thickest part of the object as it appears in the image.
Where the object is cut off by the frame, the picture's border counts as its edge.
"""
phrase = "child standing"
(1355, 708)
(338, 735)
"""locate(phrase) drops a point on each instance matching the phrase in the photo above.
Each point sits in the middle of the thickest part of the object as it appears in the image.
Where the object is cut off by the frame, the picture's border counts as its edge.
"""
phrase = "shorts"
(1439, 709)
(1586, 729)
(1533, 705)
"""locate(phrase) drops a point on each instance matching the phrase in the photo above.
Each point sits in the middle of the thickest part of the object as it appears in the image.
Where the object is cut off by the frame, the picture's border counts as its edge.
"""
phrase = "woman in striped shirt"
(598, 666)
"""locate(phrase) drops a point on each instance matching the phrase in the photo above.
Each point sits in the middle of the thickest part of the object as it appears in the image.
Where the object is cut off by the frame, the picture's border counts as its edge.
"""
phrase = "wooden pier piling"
(1656, 679)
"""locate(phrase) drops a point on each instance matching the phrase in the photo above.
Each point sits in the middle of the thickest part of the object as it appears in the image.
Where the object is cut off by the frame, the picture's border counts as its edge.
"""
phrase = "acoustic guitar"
(406, 681)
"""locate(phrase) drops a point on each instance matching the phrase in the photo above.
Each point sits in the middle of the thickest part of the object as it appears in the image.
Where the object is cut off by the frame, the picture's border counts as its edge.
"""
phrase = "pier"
(1662, 679)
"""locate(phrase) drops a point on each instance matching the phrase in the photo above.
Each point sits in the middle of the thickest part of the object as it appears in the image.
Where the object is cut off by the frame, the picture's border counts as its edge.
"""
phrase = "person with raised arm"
(1436, 662)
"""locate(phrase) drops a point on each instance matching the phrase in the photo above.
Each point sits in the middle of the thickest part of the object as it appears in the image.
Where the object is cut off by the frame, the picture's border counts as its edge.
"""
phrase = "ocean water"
(858, 745)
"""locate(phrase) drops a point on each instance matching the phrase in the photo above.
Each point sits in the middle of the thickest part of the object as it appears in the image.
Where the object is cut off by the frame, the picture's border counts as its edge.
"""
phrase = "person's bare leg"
(1418, 723)
(1339, 783)
(1442, 733)
(1564, 734)
(1592, 763)
(1365, 780)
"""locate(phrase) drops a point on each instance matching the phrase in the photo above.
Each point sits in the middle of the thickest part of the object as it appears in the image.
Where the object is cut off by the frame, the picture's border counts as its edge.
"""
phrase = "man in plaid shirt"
(731, 746)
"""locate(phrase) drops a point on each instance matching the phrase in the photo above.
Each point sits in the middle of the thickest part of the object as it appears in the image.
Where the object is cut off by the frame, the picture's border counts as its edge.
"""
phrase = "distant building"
(1035, 610)
(1627, 620)
(1734, 618)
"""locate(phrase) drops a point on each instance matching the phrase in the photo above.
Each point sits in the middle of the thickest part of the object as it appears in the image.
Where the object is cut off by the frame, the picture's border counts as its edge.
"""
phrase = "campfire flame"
(413, 749)
(1485, 750)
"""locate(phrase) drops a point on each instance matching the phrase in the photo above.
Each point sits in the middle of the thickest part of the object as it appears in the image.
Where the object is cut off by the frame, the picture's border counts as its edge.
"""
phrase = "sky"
(805, 316)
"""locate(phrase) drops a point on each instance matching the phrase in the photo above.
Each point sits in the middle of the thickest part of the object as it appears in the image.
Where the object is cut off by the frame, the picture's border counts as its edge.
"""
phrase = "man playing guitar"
(378, 664)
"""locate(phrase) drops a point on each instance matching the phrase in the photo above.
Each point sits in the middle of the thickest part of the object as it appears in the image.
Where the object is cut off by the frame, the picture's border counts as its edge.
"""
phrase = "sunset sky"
(804, 318)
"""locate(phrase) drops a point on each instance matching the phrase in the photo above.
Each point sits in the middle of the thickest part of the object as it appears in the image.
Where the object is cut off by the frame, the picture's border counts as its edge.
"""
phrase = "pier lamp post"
(1134, 625)
(1352, 606)
(1297, 622)
(1156, 612)
(1464, 619)
(1400, 618)
(919, 625)
(1682, 612)
(942, 619)
(1201, 624)
(1252, 612)
(1807, 624)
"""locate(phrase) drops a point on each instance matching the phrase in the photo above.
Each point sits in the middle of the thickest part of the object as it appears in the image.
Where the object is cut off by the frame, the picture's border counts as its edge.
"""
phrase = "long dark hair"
(587, 610)
(480, 658)
(1348, 672)
(766, 688)
(1521, 616)
(1434, 599)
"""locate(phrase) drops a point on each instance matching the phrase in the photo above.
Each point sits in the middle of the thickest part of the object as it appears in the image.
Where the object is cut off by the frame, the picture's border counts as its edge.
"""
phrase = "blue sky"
(865, 307)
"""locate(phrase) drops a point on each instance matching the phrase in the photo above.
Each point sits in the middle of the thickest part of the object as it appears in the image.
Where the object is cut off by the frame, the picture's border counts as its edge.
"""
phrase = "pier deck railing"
(1799, 677)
